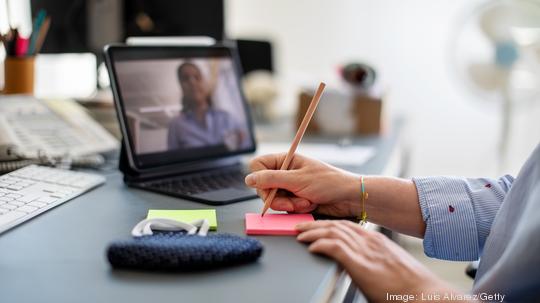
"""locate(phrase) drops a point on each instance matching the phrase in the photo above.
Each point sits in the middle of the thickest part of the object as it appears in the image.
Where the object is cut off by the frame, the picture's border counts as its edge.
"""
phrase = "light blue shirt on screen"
(186, 132)
(496, 220)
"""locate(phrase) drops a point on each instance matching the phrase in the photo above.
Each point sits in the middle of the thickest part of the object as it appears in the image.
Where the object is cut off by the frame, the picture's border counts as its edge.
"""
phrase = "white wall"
(408, 41)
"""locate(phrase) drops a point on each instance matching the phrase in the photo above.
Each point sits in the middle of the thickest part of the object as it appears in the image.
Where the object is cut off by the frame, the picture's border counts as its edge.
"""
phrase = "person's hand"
(308, 185)
(377, 265)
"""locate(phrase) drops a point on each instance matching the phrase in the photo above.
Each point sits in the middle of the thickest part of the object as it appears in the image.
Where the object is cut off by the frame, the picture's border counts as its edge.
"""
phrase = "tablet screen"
(181, 104)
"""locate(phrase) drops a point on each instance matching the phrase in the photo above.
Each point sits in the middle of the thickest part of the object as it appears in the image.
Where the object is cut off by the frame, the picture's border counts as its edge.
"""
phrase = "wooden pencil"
(299, 134)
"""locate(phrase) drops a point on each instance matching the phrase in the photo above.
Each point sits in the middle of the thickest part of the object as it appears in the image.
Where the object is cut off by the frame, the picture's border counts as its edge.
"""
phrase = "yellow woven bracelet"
(363, 197)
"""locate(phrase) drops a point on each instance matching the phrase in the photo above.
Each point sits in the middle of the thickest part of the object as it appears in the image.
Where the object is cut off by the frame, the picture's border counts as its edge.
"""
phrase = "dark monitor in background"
(255, 55)
(88, 25)
(175, 18)
(67, 33)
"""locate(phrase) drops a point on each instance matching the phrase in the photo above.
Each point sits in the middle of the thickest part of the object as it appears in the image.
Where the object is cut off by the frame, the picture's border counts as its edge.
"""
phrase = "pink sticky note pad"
(275, 224)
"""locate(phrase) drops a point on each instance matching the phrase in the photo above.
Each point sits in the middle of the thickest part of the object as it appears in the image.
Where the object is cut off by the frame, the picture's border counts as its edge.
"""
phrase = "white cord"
(147, 226)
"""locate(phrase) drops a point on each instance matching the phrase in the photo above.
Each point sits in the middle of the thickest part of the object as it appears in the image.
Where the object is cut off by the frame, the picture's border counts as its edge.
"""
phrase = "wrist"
(353, 194)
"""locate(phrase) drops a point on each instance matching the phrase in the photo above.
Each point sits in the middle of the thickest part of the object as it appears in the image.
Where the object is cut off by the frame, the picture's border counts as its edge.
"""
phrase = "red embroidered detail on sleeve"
(488, 185)
(451, 208)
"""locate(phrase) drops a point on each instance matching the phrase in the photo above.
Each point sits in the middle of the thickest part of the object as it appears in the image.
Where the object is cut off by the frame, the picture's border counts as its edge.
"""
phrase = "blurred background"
(454, 128)
(464, 74)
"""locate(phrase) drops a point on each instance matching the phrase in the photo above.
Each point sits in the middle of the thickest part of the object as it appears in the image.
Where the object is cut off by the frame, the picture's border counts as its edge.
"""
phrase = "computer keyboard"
(215, 187)
(32, 190)
(200, 182)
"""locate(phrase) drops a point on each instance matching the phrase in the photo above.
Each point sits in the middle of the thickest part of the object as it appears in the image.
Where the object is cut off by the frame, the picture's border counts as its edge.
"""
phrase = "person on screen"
(200, 124)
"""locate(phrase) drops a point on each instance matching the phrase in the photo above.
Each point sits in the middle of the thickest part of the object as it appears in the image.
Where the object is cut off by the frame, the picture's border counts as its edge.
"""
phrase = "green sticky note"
(185, 215)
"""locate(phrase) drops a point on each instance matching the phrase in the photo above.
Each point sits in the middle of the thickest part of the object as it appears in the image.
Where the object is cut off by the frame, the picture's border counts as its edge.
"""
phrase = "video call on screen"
(183, 104)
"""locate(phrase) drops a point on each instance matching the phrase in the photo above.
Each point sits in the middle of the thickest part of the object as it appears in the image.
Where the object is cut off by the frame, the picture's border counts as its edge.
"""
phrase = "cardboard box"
(366, 109)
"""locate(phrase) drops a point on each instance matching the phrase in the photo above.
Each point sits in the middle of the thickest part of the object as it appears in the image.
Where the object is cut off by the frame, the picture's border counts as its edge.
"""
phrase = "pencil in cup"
(297, 138)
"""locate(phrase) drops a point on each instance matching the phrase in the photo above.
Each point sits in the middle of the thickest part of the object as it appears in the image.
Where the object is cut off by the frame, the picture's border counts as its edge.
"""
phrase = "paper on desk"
(350, 155)
(185, 215)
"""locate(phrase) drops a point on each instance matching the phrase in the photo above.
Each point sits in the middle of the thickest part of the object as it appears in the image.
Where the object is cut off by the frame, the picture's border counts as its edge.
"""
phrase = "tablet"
(179, 104)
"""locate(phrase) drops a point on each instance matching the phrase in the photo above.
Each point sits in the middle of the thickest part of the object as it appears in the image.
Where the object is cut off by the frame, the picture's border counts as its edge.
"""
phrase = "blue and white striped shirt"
(495, 219)
(459, 213)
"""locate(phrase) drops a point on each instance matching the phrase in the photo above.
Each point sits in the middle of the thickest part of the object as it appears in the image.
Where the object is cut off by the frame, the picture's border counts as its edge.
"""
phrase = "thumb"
(284, 179)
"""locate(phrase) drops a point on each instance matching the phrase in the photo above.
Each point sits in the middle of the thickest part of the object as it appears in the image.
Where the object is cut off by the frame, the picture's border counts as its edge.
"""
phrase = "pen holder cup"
(19, 75)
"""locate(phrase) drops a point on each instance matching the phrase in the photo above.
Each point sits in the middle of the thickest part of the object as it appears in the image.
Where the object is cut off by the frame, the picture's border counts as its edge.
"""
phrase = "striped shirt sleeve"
(458, 213)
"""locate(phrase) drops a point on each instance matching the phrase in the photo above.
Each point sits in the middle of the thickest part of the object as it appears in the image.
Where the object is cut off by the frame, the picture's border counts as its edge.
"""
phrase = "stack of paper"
(350, 155)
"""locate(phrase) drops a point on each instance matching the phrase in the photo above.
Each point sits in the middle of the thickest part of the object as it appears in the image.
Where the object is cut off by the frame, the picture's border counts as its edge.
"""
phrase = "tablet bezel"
(140, 163)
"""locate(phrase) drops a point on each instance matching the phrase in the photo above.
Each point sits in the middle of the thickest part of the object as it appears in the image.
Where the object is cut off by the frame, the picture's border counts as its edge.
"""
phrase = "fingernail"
(250, 180)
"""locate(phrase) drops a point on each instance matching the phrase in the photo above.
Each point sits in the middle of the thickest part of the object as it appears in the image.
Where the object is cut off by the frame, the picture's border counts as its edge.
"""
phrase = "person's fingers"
(270, 161)
(302, 205)
(262, 193)
(349, 228)
(319, 223)
(304, 226)
(333, 248)
(355, 227)
(284, 179)
(274, 161)
(286, 202)
(333, 232)
(292, 204)
(282, 204)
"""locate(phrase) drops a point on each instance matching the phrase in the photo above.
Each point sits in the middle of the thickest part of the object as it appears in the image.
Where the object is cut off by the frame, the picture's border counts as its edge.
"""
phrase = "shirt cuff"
(447, 209)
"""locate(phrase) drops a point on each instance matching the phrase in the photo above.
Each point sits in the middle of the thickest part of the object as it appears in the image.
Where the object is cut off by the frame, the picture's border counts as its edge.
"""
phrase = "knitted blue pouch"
(183, 251)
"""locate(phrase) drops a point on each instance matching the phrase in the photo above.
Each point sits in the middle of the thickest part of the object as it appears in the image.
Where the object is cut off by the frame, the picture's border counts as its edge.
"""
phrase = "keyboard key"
(16, 203)
(28, 198)
(8, 206)
(12, 195)
(27, 209)
(65, 191)
(8, 181)
(81, 183)
(36, 204)
(6, 199)
(47, 200)
(58, 195)
(10, 216)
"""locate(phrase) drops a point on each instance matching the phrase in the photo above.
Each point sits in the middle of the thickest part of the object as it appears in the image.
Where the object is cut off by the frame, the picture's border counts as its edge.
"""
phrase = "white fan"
(496, 53)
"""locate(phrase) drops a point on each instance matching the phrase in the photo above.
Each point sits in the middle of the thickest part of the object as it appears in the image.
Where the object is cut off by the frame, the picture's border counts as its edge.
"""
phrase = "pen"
(36, 31)
(297, 138)
(42, 34)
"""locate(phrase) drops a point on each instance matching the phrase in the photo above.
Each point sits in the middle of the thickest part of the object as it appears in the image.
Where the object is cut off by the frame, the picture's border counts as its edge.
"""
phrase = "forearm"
(392, 203)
